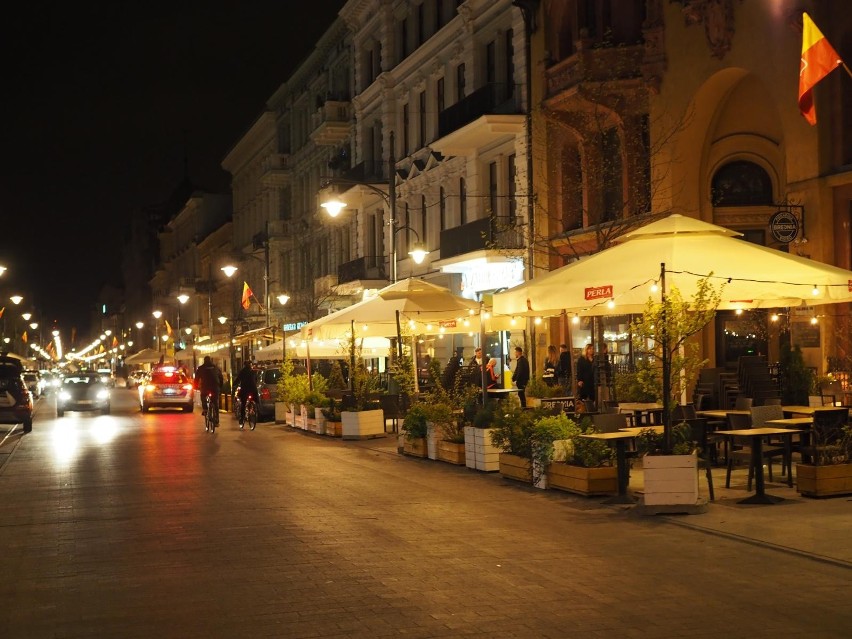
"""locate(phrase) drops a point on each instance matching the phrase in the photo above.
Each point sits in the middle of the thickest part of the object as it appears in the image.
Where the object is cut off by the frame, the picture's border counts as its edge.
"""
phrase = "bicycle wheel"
(251, 414)
(213, 413)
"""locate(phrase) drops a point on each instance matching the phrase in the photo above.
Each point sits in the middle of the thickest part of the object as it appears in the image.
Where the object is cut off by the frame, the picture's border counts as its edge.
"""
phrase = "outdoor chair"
(699, 436)
(743, 403)
(609, 422)
(682, 412)
(826, 435)
(759, 416)
(392, 408)
(739, 449)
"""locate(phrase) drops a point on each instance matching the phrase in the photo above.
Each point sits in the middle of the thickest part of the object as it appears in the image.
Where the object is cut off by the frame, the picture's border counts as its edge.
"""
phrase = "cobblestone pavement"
(135, 525)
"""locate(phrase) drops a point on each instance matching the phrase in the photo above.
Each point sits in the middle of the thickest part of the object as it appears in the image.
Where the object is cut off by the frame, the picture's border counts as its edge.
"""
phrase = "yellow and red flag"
(24, 337)
(2, 310)
(818, 60)
(247, 295)
(114, 341)
(168, 327)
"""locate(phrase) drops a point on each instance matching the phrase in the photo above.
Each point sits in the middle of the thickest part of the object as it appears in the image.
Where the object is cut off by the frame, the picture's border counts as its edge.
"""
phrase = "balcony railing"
(604, 67)
(496, 232)
(491, 99)
(369, 267)
(369, 171)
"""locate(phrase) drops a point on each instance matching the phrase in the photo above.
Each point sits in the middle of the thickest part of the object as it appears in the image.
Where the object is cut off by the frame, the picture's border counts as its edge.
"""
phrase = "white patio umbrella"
(326, 349)
(619, 280)
(145, 356)
(425, 307)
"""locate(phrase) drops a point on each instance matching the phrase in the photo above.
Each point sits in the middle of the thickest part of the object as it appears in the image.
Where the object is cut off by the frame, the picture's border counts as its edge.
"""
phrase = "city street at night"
(143, 525)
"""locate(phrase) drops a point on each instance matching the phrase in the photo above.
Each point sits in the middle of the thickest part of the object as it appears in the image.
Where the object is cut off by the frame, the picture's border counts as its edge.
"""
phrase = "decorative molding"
(717, 16)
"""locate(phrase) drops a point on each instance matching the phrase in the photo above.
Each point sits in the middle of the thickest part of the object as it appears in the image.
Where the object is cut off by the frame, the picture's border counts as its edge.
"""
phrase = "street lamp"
(157, 315)
(334, 207)
(283, 298)
(230, 270)
(183, 299)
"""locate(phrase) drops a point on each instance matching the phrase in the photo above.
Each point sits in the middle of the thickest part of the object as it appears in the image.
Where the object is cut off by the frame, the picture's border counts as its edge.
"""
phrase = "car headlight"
(64, 396)
(103, 394)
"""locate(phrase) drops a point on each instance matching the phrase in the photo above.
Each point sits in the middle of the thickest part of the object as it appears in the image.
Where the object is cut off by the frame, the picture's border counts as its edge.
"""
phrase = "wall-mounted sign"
(293, 326)
(784, 226)
(599, 292)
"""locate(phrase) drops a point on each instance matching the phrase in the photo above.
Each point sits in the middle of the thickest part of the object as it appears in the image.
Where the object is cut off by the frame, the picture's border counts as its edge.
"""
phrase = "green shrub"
(414, 424)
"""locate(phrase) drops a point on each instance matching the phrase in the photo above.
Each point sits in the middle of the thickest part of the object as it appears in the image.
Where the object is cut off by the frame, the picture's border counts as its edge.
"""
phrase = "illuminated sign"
(599, 292)
(293, 326)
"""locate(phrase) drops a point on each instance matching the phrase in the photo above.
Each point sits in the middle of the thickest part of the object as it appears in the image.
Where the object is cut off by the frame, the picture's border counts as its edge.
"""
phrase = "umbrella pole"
(482, 367)
(308, 353)
(667, 365)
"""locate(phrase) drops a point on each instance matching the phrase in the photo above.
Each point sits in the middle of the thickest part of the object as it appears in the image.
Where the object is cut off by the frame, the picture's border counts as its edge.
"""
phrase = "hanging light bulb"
(813, 320)
(537, 321)
(654, 287)
(815, 291)
(575, 319)
(610, 303)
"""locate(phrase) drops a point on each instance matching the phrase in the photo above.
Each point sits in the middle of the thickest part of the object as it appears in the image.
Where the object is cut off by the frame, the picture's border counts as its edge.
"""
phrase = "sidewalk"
(815, 528)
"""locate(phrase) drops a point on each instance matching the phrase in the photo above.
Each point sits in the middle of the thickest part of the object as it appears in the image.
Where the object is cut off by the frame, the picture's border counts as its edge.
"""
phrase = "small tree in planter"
(335, 377)
(797, 379)
(333, 419)
(365, 418)
(538, 389)
(829, 471)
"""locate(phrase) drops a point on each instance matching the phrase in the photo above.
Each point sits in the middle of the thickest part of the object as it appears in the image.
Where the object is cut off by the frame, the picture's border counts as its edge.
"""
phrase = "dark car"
(16, 401)
(267, 385)
(82, 391)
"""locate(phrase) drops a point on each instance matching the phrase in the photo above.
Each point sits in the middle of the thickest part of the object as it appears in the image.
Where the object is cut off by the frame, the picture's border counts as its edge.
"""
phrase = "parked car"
(83, 391)
(16, 401)
(267, 387)
(34, 383)
(167, 387)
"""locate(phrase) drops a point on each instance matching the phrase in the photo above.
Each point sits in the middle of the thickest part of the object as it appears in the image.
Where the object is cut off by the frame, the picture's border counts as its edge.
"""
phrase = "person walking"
(586, 374)
(246, 385)
(521, 376)
(208, 380)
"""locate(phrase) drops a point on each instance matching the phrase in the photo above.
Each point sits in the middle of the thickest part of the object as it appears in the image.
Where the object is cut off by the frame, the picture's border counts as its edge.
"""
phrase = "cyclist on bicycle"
(246, 381)
(208, 380)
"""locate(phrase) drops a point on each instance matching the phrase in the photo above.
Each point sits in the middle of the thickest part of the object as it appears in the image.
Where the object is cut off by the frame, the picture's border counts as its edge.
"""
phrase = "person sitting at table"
(586, 374)
(491, 379)
(521, 376)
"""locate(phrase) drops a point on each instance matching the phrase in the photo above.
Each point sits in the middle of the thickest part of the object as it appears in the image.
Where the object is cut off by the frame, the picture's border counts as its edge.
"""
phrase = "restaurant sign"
(599, 292)
(563, 404)
(784, 226)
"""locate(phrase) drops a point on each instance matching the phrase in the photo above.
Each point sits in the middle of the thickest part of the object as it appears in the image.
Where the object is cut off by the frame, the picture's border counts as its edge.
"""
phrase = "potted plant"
(283, 406)
(670, 474)
(441, 423)
(414, 430)
(537, 389)
(583, 466)
(797, 379)
(829, 469)
(526, 439)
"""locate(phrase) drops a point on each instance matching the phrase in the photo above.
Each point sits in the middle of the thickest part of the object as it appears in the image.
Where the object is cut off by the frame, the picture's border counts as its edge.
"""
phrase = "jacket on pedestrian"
(208, 379)
(246, 381)
(521, 376)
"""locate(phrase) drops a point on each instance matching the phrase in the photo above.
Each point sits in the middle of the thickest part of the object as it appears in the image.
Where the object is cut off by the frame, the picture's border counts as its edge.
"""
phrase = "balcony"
(489, 114)
(276, 170)
(370, 267)
(488, 233)
(331, 123)
(603, 68)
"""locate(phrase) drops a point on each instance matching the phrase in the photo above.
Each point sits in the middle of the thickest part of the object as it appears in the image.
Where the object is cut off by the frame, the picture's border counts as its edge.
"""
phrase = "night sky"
(101, 104)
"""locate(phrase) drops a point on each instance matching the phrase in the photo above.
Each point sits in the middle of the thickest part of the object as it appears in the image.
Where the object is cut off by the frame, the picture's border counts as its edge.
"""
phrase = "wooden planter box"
(583, 481)
(824, 481)
(433, 436)
(514, 467)
(415, 447)
(320, 420)
(364, 424)
(670, 480)
(333, 429)
(451, 452)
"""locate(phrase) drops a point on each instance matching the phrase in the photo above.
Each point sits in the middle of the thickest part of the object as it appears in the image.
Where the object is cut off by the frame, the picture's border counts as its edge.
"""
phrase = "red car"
(16, 401)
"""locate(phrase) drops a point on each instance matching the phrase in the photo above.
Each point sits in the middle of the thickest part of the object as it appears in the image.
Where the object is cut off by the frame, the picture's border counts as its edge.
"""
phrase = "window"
(491, 62)
(421, 24)
(462, 202)
(407, 234)
(439, 94)
(406, 121)
(403, 38)
(442, 208)
(510, 65)
(492, 188)
(613, 200)
(511, 190)
(423, 226)
(741, 184)
(460, 81)
(421, 133)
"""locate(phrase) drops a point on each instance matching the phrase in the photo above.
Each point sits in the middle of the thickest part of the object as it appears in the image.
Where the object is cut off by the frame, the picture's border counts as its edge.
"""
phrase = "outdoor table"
(757, 435)
(720, 414)
(803, 423)
(639, 408)
(501, 393)
(620, 439)
(638, 429)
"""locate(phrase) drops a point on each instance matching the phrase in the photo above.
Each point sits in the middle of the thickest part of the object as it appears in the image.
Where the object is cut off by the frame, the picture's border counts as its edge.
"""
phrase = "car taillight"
(265, 394)
(188, 387)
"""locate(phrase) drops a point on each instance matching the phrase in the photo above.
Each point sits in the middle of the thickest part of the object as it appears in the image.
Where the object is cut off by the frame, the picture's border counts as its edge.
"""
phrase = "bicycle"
(250, 414)
(211, 414)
